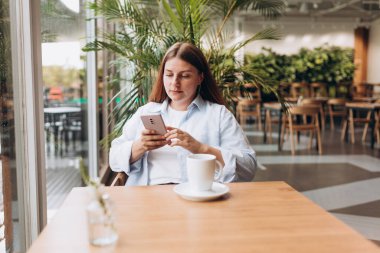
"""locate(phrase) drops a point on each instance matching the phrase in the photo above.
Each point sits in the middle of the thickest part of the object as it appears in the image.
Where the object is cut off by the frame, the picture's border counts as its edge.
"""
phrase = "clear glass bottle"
(101, 219)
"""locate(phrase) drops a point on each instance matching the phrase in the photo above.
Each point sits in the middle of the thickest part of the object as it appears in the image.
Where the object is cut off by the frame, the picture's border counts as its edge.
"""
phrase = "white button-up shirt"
(207, 122)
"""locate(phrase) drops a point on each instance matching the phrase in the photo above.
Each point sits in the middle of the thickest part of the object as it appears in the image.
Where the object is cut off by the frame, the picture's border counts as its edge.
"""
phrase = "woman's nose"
(176, 79)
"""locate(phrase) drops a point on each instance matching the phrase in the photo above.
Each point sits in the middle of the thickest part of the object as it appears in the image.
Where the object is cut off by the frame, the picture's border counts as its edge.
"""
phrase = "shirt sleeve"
(239, 158)
(121, 147)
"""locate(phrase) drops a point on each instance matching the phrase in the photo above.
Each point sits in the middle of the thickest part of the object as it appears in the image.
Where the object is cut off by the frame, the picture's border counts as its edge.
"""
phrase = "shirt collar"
(198, 102)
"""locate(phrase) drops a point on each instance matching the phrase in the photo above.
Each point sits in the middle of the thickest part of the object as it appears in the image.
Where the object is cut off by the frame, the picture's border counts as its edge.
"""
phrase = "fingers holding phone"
(150, 140)
(153, 135)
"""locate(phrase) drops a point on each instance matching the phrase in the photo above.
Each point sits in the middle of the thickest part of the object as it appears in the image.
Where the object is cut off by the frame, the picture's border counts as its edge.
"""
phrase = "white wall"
(298, 35)
(373, 74)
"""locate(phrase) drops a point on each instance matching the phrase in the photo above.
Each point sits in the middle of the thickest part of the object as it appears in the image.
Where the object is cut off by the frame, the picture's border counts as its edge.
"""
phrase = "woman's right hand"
(149, 140)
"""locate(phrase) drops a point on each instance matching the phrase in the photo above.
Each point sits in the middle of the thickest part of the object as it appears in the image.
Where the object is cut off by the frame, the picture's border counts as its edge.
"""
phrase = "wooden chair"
(269, 120)
(336, 107)
(343, 89)
(120, 179)
(310, 123)
(318, 103)
(249, 108)
(111, 178)
(252, 91)
(362, 90)
(268, 124)
(318, 90)
(284, 89)
(299, 89)
(350, 124)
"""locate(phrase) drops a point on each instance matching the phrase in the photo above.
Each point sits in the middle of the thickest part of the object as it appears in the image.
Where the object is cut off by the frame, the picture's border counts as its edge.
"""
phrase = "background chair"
(299, 89)
(120, 179)
(336, 107)
(319, 104)
(111, 178)
(343, 89)
(249, 108)
(355, 118)
(310, 123)
(268, 124)
(318, 90)
(362, 90)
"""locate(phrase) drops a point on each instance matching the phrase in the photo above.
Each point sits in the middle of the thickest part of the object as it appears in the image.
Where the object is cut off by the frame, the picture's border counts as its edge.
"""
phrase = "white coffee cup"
(201, 171)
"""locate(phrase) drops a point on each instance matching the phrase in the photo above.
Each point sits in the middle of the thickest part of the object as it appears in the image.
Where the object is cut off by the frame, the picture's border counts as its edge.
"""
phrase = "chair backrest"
(318, 89)
(337, 101)
(311, 101)
(343, 89)
(299, 89)
(252, 91)
(111, 178)
(248, 102)
(120, 179)
(309, 110)
(362, 90)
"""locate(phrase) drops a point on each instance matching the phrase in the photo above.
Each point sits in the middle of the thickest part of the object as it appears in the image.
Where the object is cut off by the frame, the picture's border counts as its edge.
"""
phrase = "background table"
(254, 217)
(57, 118)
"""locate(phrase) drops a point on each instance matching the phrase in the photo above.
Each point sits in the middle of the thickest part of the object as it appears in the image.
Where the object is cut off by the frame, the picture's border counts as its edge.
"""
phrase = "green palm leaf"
(144, 29)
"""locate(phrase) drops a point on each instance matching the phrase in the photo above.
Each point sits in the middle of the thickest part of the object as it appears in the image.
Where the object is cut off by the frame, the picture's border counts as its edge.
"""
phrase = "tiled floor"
(345, 180)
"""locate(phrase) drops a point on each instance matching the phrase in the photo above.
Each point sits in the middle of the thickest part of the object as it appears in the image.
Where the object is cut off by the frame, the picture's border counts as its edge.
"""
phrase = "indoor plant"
(326, 64)
(140, 42)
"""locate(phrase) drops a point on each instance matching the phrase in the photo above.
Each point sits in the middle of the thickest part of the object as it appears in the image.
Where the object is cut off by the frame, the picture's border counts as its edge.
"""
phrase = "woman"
(197, 121)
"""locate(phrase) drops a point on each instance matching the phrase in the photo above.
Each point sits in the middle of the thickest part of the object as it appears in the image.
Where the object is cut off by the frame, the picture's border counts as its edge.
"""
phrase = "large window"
(43, 112)
(65, 96)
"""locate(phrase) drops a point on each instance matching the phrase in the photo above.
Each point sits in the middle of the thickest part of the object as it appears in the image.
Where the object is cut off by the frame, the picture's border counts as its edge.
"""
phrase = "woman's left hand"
(183, 139)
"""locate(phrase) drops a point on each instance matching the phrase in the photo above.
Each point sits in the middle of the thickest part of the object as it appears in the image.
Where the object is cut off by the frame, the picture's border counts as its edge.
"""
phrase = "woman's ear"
(201, 77)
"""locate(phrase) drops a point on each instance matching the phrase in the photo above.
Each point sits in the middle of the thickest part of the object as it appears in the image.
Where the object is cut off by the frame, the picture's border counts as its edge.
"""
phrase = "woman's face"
(181, 80)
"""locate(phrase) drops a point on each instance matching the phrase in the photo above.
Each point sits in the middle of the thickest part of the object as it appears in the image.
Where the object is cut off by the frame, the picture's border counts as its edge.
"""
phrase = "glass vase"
(101, 220)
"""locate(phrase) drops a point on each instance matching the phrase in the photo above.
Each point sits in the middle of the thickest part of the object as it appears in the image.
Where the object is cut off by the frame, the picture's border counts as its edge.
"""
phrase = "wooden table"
(253, 217)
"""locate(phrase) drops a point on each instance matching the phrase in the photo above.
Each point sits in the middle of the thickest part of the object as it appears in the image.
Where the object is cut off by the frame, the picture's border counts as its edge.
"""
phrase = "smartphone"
(154, 122)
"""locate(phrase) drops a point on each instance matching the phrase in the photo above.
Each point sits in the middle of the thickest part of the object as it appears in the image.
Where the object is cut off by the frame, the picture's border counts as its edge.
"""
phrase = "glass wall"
(65, 96)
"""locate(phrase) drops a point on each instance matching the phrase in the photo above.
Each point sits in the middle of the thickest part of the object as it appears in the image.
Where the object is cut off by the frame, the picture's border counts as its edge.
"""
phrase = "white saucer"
(217, 190)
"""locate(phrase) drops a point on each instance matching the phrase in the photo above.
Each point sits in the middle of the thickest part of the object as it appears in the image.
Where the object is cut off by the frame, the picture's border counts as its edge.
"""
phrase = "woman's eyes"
(180, 76)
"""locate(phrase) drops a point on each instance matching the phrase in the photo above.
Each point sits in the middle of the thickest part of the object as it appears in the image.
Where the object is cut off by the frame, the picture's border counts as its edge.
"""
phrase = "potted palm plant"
(145, 29)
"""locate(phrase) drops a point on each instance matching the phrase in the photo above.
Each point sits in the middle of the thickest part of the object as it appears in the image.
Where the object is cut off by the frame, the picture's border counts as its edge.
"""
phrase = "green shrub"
(327, 64)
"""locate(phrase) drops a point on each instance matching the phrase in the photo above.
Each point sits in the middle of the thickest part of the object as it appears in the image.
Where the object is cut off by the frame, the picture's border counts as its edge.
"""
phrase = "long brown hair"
(194, 56)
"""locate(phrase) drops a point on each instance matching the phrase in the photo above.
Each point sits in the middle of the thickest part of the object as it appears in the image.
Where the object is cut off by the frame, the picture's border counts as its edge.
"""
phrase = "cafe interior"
(310, 109)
